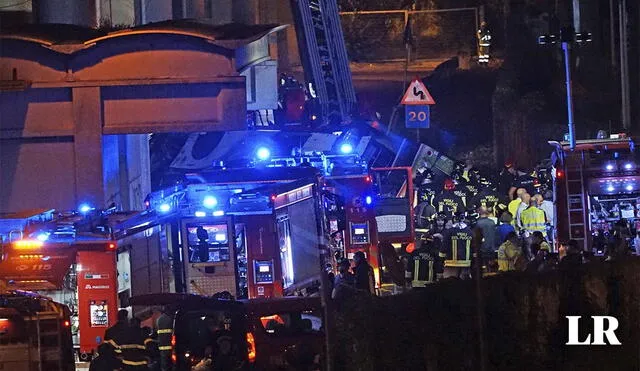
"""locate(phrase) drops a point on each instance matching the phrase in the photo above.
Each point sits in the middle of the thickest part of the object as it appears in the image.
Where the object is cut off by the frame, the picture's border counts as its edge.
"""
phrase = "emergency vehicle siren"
(263, 154)
(346, 148)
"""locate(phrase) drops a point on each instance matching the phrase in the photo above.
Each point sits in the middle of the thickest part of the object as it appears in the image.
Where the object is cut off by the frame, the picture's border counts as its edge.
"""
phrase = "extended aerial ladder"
(324, 57)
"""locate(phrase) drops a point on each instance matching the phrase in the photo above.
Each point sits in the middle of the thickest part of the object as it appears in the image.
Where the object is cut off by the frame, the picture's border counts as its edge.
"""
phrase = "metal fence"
(379, 35)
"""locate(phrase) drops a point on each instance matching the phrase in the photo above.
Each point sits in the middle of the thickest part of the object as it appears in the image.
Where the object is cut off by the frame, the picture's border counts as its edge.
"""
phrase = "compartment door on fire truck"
(209, 256)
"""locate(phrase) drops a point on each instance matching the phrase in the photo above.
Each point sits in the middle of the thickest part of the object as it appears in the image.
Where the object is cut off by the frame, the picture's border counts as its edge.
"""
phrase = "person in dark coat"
(573, 259)
(106, 359)
(488, 227)
(363, 273)
(343, 288)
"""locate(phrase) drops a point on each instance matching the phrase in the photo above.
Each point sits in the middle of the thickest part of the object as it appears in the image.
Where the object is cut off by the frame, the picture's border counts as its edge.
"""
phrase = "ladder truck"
(596, 186)
(35, 333)
(323, 54)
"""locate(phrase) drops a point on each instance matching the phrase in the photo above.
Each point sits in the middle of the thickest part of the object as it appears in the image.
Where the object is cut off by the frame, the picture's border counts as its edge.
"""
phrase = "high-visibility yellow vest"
(513, 209)
(533, 219)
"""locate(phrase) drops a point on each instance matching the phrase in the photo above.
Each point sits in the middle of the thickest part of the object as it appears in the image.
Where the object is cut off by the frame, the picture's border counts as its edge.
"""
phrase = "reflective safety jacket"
(462, 193)
(457, 247)
(485, 197)
(533, 219)
(129, 344)
(164, 323)
(484, 37)
(508, 255)
(513, 209)
(424, 265)
(448, 203)
(426, 192)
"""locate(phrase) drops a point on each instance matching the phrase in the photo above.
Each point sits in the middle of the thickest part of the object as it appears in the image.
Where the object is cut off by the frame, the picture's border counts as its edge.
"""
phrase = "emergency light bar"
(28, 244)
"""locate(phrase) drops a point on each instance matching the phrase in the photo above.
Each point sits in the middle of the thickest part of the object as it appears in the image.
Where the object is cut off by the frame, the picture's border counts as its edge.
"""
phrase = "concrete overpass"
(76, 104)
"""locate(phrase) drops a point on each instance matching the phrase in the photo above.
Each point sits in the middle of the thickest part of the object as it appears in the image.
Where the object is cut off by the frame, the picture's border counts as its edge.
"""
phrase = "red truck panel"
(97, 296)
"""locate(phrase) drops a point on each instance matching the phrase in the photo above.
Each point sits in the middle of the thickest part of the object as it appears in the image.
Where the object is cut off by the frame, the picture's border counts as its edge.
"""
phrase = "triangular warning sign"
(417, 94)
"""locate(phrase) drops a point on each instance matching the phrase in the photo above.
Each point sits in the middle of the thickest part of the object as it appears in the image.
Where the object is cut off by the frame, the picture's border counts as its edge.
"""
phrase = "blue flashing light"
(346, 148)
(218, 213)
(629, 187)
(368, 200)
(210, 202)
(263, 153)
(164, 208)
(628, 166)
(42, 236)
(609, 167)
(201, 214)
(610, 188)
(84, 208)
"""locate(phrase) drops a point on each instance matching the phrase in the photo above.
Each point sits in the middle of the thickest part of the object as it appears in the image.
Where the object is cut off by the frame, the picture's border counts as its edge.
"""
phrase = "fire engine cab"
(596, 185)
(68, 257)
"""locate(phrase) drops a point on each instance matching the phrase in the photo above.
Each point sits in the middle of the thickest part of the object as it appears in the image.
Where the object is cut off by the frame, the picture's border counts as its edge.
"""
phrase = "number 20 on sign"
(416, 117)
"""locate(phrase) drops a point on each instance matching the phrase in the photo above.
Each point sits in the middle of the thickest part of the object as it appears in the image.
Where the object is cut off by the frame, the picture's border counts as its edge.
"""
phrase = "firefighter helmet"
(449, 185)
(427, 174)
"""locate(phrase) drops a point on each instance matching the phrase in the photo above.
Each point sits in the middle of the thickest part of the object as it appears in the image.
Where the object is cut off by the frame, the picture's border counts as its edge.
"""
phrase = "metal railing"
(379, 35)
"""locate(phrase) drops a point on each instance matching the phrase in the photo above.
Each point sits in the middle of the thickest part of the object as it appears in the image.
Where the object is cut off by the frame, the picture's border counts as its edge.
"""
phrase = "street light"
(567, 37)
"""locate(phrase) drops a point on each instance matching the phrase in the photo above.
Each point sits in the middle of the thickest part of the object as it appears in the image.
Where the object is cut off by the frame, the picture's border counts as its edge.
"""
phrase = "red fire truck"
(253, 231)
(68, 257)
(596, 185)
(353, 223)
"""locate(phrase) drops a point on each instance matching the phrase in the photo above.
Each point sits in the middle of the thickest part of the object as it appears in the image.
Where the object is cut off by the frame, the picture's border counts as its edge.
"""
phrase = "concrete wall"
(66, 137)
(79, 12)
(524, 320)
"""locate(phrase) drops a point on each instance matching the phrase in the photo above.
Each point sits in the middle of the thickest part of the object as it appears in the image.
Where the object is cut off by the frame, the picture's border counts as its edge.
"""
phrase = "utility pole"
(624, 65)
(568, 37)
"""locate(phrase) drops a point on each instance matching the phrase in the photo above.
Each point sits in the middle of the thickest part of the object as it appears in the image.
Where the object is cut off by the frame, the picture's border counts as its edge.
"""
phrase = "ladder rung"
(575, 225)
(576, 195)
(576, 209)
(574, 180)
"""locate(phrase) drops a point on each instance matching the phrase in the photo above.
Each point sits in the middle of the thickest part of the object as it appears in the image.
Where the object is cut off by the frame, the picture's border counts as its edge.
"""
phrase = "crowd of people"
(514, 213)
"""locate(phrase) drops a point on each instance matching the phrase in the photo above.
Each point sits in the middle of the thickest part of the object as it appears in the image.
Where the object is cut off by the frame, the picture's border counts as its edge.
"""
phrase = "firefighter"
(448, 202)
(424, 213)
(164, 324)
(484, 43)
(486, 196)
(425, 262)
(426, 189)
(203, 244)
(457, 248)
(128, 343)
(460, 189)
(440, 224)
